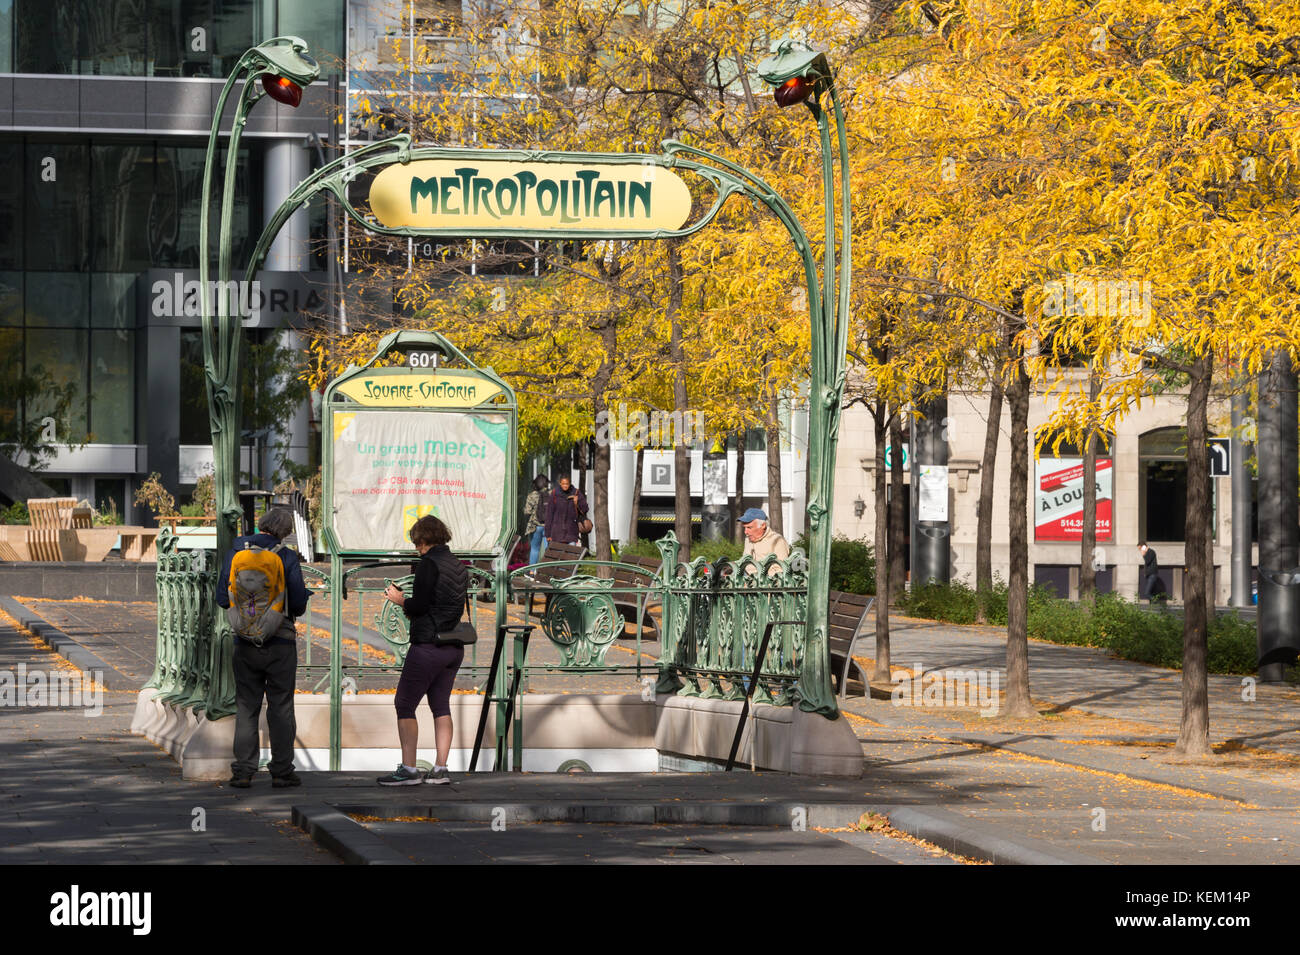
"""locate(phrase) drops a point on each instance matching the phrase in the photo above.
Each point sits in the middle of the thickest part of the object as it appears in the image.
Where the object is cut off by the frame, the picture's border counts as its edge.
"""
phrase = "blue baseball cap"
(753, 514)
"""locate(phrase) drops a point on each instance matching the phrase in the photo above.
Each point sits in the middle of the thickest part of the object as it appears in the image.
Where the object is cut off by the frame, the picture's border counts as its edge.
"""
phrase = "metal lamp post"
(280, 68)
(802, 75)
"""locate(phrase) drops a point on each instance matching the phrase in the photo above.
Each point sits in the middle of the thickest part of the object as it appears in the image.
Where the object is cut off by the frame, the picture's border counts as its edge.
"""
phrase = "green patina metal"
(579, 619)
(712, 616)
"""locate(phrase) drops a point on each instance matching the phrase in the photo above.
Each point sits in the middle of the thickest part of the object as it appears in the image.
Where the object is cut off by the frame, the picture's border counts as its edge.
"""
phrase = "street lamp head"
(286, 68)
(794, 70)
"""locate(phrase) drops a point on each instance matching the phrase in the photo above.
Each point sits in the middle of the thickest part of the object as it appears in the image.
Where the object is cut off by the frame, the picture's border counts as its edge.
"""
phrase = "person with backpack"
(262, 591)
(438, 640)
(534, 529)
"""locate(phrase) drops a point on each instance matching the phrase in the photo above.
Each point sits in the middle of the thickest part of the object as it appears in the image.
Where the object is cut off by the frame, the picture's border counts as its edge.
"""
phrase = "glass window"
(58, 300)
(11, 298)
(173, 219)
(6, 36)
(320, 23)
(112, 300)
(57, 358)
(121, 186)
(11, 370)
(58, 221)
(106, 37)
(233, 30)
(110, 495)
(180, 37)
(112, 386)
(195, 428)
(11, 205)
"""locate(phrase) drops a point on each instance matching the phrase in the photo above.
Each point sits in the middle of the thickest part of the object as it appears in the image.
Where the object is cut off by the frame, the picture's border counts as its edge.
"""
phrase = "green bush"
(709, 550)
(853, 564)
(1113, 624)
(15, 513)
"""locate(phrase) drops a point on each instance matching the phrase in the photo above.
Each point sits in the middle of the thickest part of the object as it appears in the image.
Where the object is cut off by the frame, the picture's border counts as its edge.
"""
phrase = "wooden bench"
(554, 553)
(628, 604)
(847, 614)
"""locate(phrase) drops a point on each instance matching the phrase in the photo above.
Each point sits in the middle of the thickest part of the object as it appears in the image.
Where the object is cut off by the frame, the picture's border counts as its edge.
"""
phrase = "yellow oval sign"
(463, 196)
(404, 390)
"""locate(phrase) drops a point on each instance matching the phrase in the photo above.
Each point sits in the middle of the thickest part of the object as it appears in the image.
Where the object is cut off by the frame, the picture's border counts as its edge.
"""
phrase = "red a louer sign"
(1058, 499)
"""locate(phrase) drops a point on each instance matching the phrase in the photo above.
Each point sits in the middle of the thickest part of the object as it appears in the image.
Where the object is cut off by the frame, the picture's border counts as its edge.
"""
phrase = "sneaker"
(401, 776)
(288, 779)
(437, 777)
(241, 782)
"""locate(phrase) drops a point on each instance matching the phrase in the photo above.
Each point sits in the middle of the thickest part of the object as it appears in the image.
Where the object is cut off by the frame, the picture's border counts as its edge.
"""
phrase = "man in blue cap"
(760, 540)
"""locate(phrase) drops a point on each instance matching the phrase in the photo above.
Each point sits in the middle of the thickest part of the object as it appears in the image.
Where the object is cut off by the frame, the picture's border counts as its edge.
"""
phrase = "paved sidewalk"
(1092, 781)
(1090, 680)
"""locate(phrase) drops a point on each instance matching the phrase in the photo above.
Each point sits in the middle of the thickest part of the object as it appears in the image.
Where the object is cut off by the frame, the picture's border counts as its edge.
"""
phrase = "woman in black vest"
(434, 607)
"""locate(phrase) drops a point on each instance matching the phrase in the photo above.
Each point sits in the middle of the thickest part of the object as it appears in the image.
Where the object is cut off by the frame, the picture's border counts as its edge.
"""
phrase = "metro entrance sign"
(533, 194)
(467, 195)
(400, 443)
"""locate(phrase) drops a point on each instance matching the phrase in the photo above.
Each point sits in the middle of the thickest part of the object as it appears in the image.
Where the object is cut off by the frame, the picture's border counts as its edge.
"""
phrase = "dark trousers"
(269, 671)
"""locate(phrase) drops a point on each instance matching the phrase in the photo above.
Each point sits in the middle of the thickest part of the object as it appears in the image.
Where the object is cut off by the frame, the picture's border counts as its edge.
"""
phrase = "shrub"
(154, 496)
(1112, 623)
(15, 513)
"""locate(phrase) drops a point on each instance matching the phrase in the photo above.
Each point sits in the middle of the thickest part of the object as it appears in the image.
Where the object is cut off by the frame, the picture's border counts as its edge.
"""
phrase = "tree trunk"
(681, 453)
(775, 518)
(638, 465)
(1018, 703)
(881, 674)
(984, 508)
(899, 511)
(1088, 541)
(1194, 728)
(738, 499)
(599, 501)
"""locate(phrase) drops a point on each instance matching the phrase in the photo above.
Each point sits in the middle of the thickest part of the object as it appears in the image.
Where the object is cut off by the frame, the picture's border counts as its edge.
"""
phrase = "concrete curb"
(350, 841)
(953, 832)
(68, 648)
(331, 827)
(821, 815)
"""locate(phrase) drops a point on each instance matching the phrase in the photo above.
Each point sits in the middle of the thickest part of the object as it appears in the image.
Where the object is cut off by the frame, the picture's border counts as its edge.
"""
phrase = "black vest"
(448, 601)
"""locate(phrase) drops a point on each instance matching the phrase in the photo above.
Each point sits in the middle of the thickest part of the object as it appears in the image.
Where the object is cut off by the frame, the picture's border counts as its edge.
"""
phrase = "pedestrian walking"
(1153, 588)
(534, 528)
(566, 514)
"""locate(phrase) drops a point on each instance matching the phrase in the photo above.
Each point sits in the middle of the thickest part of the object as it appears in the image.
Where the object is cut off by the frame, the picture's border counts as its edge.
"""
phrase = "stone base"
(622, 729)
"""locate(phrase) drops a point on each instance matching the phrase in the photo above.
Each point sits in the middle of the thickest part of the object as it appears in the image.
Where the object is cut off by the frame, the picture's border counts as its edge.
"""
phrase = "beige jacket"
(770, 543)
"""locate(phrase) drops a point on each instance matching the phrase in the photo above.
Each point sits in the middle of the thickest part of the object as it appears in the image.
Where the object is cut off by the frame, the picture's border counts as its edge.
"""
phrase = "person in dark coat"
(1153, 587)
(435, 606)
(565, 507)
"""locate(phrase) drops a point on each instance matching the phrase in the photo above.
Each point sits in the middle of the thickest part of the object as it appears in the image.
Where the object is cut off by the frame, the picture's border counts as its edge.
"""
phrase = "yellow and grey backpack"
(257, 593)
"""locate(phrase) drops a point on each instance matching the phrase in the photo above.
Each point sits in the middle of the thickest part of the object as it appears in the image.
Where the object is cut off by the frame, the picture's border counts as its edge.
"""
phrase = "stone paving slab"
(463, 843)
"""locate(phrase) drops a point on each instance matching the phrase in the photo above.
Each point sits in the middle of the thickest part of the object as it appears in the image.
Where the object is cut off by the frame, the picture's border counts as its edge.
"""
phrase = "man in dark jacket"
(270, 670)
(565, 507)
(1152, 585)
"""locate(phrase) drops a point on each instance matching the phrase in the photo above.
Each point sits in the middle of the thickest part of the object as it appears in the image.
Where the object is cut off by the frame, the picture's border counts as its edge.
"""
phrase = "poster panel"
(393, 467)
(1058, 499)
(932, 503)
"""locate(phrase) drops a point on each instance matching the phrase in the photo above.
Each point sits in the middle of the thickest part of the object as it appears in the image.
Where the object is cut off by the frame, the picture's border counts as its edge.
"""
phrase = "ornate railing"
(185, 652)
(713, 619)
